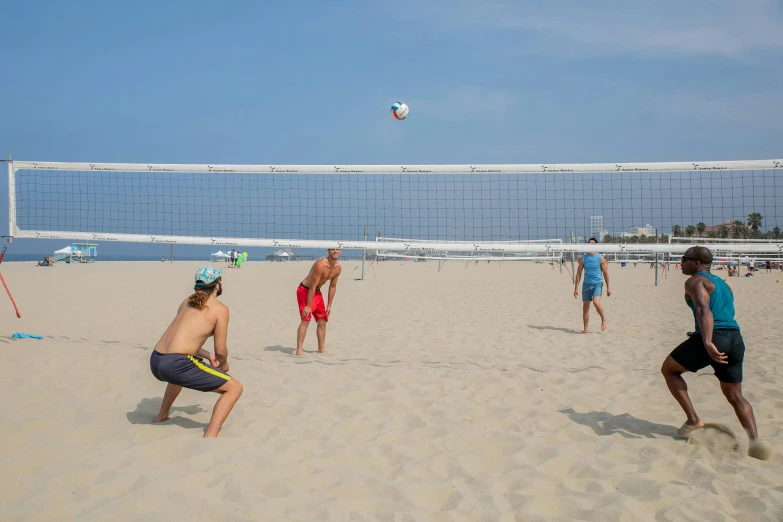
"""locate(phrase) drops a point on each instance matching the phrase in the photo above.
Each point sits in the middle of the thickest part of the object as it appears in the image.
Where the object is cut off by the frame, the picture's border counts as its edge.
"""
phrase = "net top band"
(532, 168)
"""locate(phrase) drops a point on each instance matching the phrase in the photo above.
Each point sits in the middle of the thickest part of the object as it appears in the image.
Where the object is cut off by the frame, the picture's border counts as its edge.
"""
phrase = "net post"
(11, 200)
(656, 269)
(364, 251)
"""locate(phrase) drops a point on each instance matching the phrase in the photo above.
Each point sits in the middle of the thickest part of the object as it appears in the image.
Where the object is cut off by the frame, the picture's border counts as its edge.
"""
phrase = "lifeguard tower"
(77, 253)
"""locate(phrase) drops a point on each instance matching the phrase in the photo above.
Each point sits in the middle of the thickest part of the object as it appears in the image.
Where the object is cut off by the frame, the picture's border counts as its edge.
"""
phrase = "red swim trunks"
(317, 309)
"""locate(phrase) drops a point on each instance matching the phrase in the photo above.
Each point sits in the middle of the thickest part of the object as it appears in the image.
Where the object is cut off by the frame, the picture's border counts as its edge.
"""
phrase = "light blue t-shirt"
(593, 274)
(721, 305)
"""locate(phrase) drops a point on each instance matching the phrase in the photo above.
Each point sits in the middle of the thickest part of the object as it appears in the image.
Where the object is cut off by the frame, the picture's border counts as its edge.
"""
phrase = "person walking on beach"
(178, 357)
(311, 301)
(717, 342)
(596, 271)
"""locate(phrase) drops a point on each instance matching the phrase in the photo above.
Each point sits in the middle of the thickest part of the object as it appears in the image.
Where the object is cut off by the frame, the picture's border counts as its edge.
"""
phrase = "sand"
(460, 394)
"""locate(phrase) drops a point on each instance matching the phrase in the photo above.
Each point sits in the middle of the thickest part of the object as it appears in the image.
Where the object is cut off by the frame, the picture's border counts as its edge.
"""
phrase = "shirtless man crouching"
(311, 302)
(177, 358)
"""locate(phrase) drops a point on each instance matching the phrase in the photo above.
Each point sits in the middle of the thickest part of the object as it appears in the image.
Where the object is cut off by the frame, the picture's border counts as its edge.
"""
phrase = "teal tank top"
(721, 305)
(592, 264)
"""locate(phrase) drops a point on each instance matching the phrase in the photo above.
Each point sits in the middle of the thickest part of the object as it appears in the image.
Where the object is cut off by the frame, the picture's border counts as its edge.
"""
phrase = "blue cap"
(207, 275)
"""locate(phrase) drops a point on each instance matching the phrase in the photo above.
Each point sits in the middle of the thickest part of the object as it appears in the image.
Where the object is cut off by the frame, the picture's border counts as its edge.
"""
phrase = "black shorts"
(693, 356)
(186, 371)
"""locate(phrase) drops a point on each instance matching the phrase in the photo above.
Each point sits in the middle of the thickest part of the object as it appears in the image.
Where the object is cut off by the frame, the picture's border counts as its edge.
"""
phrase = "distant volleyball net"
(434, 250)
(512, 212)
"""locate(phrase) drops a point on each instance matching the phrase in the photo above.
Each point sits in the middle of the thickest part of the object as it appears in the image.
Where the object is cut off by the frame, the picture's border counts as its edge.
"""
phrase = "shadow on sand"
(278, 348)
(147, 410)
(603, 423)
(555, 328)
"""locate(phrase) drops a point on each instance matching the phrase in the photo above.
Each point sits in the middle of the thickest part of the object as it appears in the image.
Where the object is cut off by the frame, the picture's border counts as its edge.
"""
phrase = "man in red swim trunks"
(311, 302)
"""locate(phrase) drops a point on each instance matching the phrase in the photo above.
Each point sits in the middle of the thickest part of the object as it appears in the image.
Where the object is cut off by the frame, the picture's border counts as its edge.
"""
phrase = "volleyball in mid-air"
(399, 110)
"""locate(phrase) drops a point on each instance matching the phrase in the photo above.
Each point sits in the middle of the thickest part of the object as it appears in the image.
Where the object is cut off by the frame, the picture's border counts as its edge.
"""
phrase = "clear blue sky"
(311, 82)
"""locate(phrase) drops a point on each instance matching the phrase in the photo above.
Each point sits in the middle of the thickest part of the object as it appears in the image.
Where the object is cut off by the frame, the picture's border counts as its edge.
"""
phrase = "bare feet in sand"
(161, 418)
(686, 429)
(760, 449)
(604, 325)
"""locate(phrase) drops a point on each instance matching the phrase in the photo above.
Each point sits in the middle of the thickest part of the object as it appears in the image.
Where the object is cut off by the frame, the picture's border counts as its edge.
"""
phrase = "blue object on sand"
(22, 335)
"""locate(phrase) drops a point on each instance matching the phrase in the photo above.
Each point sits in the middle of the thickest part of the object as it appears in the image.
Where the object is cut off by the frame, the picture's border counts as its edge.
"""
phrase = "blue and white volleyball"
(399, 110)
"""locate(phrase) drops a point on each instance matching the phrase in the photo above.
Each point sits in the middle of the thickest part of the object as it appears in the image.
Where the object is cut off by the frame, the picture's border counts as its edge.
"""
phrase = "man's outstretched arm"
(332, 291)
(605, 271)
(578, 276)
(221, 336)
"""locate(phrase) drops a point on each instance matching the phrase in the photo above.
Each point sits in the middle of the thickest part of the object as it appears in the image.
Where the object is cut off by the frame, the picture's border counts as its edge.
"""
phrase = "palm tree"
(776, 232)
(754, 221)
(701, 227)
(676, 230)
(690, 230)
(739, 229)
(723, 231)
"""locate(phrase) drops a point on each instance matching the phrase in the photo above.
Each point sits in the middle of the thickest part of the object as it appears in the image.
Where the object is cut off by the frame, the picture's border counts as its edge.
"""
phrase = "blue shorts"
(589, 291)
(186, 371)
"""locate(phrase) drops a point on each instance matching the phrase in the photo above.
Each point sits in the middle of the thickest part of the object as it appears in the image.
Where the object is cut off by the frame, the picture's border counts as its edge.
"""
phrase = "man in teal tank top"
(717, 342)
(596, 270)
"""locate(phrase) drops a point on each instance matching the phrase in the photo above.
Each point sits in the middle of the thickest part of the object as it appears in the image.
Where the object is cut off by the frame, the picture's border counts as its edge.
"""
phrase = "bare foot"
(300, 353)
(583, 331)
(321, 351)
(161, 418)
(759, 449)
(604, 325)
(686, 429)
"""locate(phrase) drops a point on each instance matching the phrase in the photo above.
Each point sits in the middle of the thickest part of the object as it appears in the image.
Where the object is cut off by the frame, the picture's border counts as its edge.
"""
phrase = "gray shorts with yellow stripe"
(186, 371)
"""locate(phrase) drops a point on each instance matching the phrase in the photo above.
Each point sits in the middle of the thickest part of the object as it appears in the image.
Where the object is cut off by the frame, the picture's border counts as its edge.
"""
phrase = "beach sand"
(460, 394)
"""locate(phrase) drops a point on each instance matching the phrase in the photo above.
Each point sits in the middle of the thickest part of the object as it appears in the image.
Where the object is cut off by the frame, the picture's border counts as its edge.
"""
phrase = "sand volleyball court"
(465, 394)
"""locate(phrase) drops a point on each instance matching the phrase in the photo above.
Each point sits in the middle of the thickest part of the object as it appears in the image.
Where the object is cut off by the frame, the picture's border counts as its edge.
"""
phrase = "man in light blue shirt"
(596, 271)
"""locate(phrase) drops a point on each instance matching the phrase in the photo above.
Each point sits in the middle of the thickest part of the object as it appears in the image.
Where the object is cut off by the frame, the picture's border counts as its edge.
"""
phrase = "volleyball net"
(506, 211)
(432, 250)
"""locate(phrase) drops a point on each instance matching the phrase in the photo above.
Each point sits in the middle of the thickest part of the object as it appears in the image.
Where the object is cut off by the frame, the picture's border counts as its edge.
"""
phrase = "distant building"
(716, 228)
(597, 227)
(647, 230)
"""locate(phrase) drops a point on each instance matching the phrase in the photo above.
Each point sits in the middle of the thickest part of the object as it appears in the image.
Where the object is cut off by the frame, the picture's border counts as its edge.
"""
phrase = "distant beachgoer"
(311, 301)
(596, 271)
